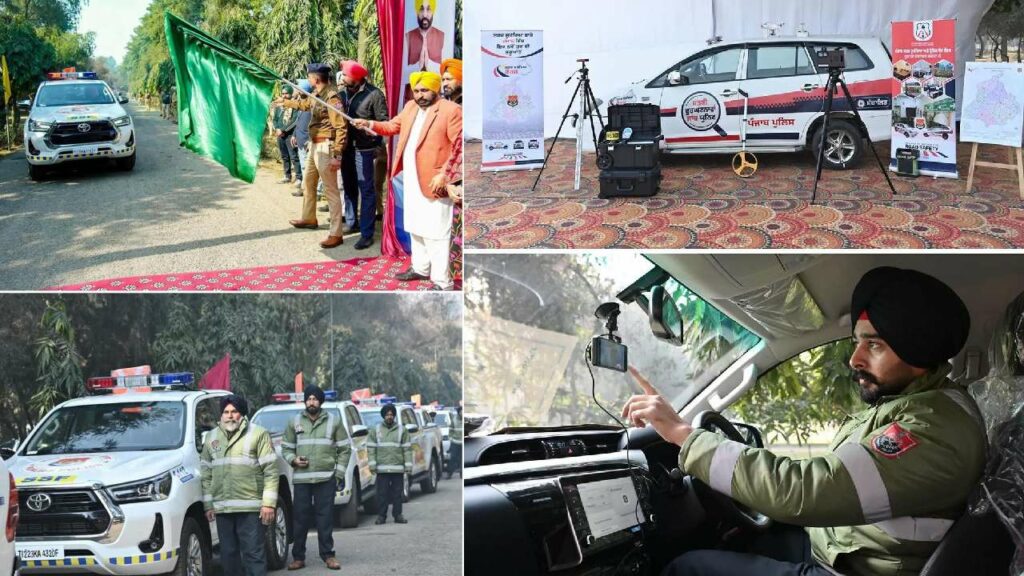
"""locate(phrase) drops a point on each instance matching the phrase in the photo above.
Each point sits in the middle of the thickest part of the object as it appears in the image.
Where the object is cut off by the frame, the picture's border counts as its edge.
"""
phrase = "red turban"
(353, 70)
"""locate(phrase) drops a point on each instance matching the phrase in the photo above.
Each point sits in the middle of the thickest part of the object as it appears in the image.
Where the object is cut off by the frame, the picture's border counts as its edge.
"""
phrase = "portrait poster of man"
(429, 38)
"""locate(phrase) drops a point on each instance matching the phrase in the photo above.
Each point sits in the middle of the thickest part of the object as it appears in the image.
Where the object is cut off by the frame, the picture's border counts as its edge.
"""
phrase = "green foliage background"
(396, 344)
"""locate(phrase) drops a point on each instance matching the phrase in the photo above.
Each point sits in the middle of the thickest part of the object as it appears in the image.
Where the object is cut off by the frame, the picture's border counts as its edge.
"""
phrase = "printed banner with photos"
(924, 94)
(513, 95)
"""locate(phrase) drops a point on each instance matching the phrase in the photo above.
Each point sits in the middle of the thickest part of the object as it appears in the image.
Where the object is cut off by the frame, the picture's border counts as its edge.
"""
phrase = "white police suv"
(76, 116)
(110, 483)
(9, 562)
(776, 86)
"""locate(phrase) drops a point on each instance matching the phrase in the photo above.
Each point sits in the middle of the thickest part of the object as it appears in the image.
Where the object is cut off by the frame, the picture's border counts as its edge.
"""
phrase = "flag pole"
(314, 97)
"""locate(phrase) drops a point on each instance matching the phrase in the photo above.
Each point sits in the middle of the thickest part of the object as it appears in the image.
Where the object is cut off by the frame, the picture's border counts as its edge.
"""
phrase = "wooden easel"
(1019, 167)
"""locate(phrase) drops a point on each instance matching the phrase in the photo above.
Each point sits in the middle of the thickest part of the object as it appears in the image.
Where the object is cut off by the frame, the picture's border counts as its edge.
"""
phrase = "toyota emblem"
(39, 502)
(84, 127)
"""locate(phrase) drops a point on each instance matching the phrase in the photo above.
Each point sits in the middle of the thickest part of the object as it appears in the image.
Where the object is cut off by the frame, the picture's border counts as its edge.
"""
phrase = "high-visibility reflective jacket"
(898, 475)
(455, 432)
(323, 442)
(239, 474)
(389, 449)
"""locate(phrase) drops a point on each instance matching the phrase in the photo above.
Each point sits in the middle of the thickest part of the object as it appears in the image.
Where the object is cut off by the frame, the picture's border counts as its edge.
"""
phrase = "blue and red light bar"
(72, 76)
(170, 380)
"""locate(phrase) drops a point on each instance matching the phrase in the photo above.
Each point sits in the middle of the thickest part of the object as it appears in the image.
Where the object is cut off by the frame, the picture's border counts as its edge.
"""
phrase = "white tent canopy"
(630, 40)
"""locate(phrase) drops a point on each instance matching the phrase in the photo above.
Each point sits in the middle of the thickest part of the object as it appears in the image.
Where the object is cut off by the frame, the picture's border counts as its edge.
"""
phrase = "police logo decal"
(893, 442)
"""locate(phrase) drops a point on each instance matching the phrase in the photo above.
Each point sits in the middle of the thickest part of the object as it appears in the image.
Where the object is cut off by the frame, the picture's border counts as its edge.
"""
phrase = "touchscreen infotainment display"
(610, 505)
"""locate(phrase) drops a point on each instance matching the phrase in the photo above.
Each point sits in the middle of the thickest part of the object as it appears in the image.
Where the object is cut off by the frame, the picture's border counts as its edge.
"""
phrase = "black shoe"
(409, 275)
(401, 520)
(364, 243)
(298, 194)
(381, 520)
(324, 208)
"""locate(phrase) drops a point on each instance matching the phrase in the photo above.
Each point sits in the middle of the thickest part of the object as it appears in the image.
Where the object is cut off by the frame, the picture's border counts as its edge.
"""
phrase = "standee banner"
(924, 94)
(513, 99)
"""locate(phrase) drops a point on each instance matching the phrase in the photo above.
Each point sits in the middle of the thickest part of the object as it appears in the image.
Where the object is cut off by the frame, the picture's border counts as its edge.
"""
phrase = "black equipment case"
(629, 183)
(640, 151)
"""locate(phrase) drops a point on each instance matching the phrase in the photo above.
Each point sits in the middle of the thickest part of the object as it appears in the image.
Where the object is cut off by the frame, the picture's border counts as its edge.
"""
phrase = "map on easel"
(993, 104)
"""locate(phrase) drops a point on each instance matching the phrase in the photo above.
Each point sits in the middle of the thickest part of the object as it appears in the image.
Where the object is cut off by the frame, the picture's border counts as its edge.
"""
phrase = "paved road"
(177, 212)
(429, 545)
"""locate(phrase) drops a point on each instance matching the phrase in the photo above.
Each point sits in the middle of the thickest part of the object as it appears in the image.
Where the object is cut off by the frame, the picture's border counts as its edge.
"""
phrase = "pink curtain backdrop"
(391, 15)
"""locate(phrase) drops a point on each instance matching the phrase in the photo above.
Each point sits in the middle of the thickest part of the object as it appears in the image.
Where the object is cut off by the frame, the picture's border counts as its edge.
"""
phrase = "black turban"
(314, 391)
(388, 408)
(919, 317)
(237, 401)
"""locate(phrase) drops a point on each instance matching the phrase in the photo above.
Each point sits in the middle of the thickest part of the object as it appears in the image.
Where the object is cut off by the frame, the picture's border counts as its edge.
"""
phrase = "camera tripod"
(588, 109)
(834, 81)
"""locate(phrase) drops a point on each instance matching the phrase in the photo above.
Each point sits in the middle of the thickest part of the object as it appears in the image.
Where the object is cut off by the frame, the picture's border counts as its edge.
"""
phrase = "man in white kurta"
(429, 129)
(428, 222)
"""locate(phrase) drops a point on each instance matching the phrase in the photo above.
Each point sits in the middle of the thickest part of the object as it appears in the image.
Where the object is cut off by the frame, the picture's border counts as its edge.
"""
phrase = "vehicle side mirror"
(412, 428)
(6, 453)
(675, 78)
(665, 319)
(122, 100)
(358, 431)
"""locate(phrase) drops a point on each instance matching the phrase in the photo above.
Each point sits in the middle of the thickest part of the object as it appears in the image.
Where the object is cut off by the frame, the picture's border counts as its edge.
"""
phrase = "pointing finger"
(643, 382)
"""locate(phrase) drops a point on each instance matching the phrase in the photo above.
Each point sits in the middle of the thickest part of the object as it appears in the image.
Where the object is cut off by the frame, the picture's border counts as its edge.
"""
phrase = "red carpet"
(349, 275)
(702, 204)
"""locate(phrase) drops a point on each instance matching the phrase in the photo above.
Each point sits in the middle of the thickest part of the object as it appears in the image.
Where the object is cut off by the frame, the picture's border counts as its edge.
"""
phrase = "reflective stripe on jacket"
(455, 433)
(324, 442)
(898, 475)
(239, 474)
(390, 449)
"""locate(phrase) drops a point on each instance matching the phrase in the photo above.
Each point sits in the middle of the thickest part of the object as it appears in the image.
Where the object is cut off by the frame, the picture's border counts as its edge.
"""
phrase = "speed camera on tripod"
(830, 58)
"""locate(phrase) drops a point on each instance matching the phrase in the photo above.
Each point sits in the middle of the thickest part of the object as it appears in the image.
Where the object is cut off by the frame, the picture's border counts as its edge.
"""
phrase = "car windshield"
(121, 427)
(371, 418)
(74, 94)
(443, 419)
(530, 318)
(275, 421)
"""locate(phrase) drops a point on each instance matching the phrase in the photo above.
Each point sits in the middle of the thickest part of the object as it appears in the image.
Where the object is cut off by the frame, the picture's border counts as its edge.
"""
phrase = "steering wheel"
(740, 514)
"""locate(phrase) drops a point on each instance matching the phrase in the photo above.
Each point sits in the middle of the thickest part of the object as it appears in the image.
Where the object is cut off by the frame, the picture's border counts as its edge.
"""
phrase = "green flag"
(223, 98)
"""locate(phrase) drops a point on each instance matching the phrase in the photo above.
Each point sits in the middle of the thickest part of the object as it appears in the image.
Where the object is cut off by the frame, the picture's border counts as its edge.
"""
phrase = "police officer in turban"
(390, 452)
(898, 473)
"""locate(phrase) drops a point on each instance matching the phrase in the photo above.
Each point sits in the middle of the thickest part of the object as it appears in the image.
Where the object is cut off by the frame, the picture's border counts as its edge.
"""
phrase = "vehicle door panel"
(784, 94)
(359, 447)
(693, 108)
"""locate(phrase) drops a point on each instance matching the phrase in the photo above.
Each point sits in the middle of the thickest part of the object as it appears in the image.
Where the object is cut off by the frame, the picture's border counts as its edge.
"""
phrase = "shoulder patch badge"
(893, 441)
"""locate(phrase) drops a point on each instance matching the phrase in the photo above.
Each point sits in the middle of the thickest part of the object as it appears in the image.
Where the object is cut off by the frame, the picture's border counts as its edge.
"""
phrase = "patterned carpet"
(349, 275)
(703, 204)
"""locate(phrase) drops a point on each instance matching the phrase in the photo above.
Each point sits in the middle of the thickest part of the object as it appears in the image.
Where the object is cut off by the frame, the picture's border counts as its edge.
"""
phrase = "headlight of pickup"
(149, 490)
(38, 126)
(122, 121)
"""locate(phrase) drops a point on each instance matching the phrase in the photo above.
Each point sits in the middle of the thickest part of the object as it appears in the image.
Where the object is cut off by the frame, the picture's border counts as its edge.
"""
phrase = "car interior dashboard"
(577, 502)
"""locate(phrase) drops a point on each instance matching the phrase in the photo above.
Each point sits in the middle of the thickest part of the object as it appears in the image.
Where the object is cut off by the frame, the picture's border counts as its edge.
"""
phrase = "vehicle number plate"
(40, 552)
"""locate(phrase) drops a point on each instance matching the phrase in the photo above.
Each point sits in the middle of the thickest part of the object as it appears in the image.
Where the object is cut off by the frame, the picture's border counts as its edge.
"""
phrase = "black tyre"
(348, 515)
(194, 554)
(406, 487)
(36, 173)
(844, 147)
(277, 536)
(126, 164)
(429, 484)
